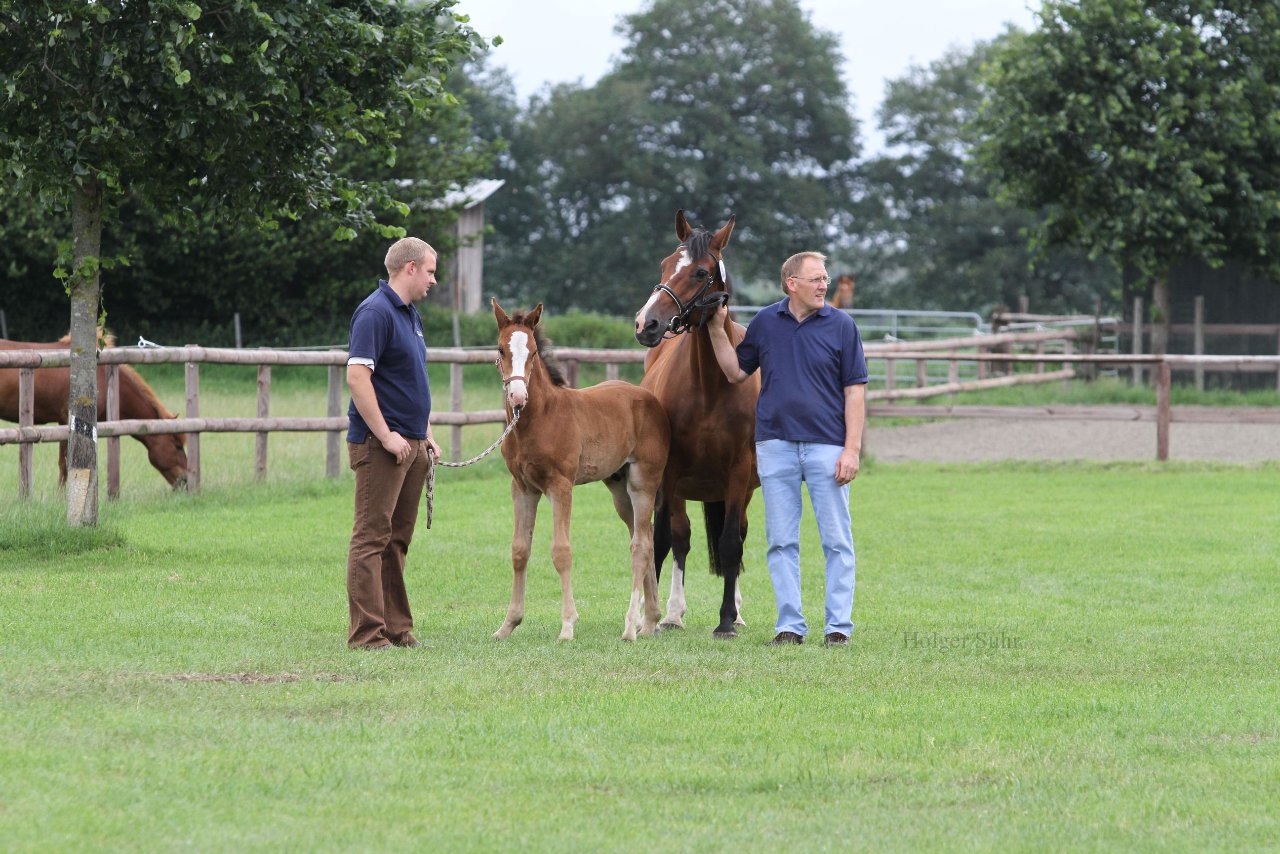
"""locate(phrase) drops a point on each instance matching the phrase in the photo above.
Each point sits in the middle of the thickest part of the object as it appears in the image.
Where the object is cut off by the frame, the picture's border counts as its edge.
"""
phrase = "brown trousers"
(386, 509)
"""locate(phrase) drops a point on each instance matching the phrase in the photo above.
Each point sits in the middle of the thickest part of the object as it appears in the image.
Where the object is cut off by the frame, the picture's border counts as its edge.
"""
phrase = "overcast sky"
(566, 40)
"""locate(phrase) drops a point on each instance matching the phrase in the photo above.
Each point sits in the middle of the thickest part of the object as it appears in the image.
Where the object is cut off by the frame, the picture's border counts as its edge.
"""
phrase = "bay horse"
(166, 451)
(615, 431)
(713, 452)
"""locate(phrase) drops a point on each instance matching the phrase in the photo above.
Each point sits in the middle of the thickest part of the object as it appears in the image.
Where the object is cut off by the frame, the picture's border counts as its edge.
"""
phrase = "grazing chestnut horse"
(614, 431)
(137, 400)
(713, 452)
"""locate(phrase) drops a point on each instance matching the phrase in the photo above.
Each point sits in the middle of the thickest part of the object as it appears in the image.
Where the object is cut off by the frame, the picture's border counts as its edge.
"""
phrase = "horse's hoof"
(662, 627)
(721, 634)
(740, 622)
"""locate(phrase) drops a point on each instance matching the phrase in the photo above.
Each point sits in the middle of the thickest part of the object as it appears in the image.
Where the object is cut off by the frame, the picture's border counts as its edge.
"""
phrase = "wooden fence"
(983, 350)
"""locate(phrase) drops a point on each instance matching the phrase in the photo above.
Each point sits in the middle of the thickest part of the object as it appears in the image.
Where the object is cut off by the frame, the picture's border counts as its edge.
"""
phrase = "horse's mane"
(698, 244)
(127, 373)
(552, 364)
(141, 387)
(105, 339)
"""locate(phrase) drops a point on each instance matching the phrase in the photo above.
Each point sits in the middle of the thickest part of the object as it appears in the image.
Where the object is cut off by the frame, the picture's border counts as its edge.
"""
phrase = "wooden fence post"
(890, 374)
(264, 409)
(455, 403)
(193, 439)
(953, 371)
(1069, 349)
(922, 373)
(26, 415)
(113, 442)
(1163, 412)
(1137, 338)
(333, 439)
(611, 371)
(1198, 348)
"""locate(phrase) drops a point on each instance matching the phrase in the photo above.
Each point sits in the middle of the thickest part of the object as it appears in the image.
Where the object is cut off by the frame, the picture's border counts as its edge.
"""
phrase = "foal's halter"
(701, 300)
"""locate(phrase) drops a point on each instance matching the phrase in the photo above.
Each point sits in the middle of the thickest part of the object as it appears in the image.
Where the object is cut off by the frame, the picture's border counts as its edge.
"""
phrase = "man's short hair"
(404, 250)
(791, 266)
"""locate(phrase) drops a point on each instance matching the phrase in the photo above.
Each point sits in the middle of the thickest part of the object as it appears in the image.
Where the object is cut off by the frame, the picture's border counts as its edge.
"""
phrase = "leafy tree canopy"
(1147, 131)
(234, 104)
(718, 107)
(933, 235)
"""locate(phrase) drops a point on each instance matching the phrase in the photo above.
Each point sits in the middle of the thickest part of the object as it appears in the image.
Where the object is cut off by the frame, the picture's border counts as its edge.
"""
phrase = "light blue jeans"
(783, 466)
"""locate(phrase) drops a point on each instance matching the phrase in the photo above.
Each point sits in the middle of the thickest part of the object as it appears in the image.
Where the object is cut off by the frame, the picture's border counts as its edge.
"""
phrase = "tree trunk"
(1161, 313)
(82, 401)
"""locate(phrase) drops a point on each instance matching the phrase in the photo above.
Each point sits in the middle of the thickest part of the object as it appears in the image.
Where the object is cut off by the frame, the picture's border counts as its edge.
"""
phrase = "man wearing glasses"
(809, 423)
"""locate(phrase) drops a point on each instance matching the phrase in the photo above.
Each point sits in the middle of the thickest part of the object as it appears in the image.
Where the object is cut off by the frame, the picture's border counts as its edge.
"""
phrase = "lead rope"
(431, 470)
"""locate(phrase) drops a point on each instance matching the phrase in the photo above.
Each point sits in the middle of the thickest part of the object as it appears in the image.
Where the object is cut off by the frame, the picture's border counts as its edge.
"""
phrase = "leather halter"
(680, 321)
(507, 381)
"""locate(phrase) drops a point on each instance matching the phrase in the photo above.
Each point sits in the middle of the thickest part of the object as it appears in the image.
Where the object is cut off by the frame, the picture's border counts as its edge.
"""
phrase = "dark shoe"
(407, 640)
(378, 648)
(836, 639)
(785, 638)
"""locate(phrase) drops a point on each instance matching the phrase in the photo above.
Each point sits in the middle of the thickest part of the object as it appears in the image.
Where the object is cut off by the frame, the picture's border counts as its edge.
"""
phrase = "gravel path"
(983, 439)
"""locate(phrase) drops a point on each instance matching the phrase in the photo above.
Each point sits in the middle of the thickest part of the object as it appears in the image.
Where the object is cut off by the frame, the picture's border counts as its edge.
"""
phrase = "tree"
(1147, 131)
(235, 106)
(716, 107)
(935, 236)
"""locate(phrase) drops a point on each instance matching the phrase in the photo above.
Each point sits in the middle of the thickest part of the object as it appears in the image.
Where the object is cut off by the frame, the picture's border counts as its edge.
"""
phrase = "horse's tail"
(661, 534)
(713, 520)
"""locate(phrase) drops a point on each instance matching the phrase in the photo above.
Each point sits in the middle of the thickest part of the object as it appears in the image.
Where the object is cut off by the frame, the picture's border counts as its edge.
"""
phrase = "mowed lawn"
(1047, 656)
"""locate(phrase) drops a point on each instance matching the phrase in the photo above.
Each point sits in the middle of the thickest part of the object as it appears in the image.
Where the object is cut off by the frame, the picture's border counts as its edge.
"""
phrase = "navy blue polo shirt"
(804, 369)
(388, 334)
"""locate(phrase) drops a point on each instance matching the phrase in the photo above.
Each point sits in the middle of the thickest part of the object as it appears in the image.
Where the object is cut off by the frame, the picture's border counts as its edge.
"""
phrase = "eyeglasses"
(813, 280)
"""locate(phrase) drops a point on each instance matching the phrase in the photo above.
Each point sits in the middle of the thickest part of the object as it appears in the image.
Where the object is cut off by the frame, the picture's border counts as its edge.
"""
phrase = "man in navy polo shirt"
(809, 423)
(390, 444)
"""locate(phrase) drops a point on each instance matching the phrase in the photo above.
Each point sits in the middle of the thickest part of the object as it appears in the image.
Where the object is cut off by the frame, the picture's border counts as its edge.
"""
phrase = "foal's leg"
(642, 487)
(561, 497)
(680, 539)
(619, 489)
(525, 505)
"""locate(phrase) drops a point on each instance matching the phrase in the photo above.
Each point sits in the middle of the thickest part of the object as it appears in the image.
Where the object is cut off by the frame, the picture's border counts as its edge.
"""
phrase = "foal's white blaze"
(683, 262)
(517, 391)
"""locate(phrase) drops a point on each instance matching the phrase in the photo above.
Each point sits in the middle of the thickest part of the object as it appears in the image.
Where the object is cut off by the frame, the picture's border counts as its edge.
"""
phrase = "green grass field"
(1047, 656)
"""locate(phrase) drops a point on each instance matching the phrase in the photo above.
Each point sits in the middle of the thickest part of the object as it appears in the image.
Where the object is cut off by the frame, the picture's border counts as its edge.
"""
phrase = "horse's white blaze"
(518, 391)
(683, 262)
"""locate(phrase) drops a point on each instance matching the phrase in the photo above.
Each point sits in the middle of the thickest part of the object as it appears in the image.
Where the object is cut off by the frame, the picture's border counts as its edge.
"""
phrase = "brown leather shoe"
(786, 638)
(836, 639)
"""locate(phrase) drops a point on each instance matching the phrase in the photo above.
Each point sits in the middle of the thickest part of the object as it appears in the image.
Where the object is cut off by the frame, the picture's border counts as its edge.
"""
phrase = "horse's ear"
(721, 239)
(531, 319)
(683, 229)
(499, 315)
